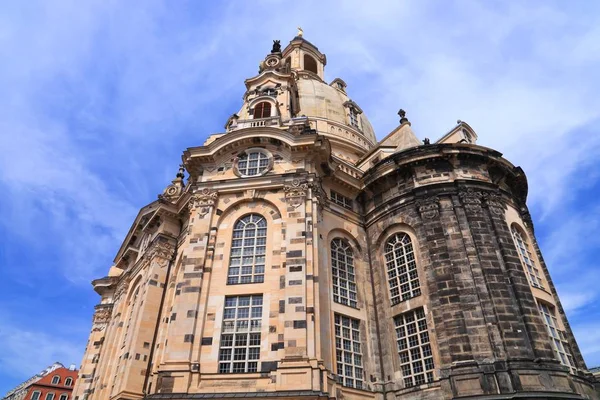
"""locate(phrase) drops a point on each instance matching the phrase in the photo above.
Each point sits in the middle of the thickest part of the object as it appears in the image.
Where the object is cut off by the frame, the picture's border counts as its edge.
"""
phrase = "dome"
(320, 100)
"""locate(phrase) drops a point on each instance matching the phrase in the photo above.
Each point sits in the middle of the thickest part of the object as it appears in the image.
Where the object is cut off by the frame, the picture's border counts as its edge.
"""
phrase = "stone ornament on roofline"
(101, 317)
(471, 200)
(429, 208)
(202, 201)
(296, 192)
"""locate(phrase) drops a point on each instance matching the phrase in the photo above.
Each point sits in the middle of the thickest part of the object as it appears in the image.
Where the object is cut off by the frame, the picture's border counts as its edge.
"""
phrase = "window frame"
(263, 105)
(346, 350)
(50, 396)
(343, 273)
(264, 162)
(405, 347)
(395, 265)
(525, 252)
(65, 395)
(232, 333)
(68, 381)
(55, 377)
(39, 395)
(240, 243)
(353, 117)
(558, 341)
(341, 200)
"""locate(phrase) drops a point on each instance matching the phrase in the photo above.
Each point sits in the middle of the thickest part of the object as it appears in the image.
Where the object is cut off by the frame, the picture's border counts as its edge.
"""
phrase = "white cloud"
(24, 351)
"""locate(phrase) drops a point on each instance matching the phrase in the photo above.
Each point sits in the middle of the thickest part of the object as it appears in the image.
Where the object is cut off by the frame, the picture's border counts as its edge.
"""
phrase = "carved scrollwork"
(121, 287)
(202, 201)
(494, 202)
(471, 200)
(429, 208)
(160, 251)
(102, 317)
(296, 192)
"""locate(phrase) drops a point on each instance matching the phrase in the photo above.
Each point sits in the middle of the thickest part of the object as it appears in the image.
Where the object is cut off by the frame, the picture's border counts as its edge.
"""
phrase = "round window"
(253, 162)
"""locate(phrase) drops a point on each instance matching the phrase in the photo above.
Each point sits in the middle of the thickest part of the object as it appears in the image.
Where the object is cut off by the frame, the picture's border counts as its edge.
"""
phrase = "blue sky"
(99, 99)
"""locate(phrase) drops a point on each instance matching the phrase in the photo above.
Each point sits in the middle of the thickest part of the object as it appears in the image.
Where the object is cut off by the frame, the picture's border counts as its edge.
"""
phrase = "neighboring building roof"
(20, 391)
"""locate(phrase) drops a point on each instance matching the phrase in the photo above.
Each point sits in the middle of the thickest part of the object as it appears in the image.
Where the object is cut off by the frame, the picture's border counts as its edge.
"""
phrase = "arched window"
(525, 254)
(310, 64)
(248, 249)
(55, 380)
(401, 268)
(344, 276)
(36, 395)
(50, 396)
(64, 396)
(253, 163)
(262, 110)
(68, 381)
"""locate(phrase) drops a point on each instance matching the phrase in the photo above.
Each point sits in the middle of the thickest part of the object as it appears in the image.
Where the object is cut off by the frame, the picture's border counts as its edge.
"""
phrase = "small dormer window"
(262, 110)
(55, 380)
(353, 117)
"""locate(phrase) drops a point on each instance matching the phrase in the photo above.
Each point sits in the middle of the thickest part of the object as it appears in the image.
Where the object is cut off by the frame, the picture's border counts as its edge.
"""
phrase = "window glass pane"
(253, 163)
(238, 346)
(348, 354)
(415, 353)
(253, 249)
(344, 284)
(401, 268)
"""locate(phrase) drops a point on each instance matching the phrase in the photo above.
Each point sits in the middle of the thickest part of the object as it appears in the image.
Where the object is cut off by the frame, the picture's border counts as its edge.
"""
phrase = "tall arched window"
(248, 249)
(310, 64)
(262, 110)
(401, 268)
(525, 254)
(344, 277)
(68, 381)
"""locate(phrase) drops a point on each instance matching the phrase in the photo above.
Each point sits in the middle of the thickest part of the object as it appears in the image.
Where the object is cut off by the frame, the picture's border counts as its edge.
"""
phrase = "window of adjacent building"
(55, 380)
(248, 249)
(401, 268)
(348, 351)
(253, 163)
(341, 200)
(526, 256)
(50, 396)
(353, 117)
(558, 337)
(310, 64)
(68, 382)
(344, 277)
(414, 348)
(64, 396)
(240, 339)
(262, 110)
(35, 395)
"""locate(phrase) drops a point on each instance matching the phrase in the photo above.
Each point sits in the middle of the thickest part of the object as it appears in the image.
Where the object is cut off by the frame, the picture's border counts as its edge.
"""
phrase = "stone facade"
(304, 259)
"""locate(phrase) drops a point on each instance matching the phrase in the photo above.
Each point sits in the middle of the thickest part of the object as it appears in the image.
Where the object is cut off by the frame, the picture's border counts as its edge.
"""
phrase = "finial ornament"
(276, 46)
(180, 172)
(426, 141)
(402, 115)
(300, 32)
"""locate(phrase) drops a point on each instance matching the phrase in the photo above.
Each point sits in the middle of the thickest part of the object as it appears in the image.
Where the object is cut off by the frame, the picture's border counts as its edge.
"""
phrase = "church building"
(294, 256)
